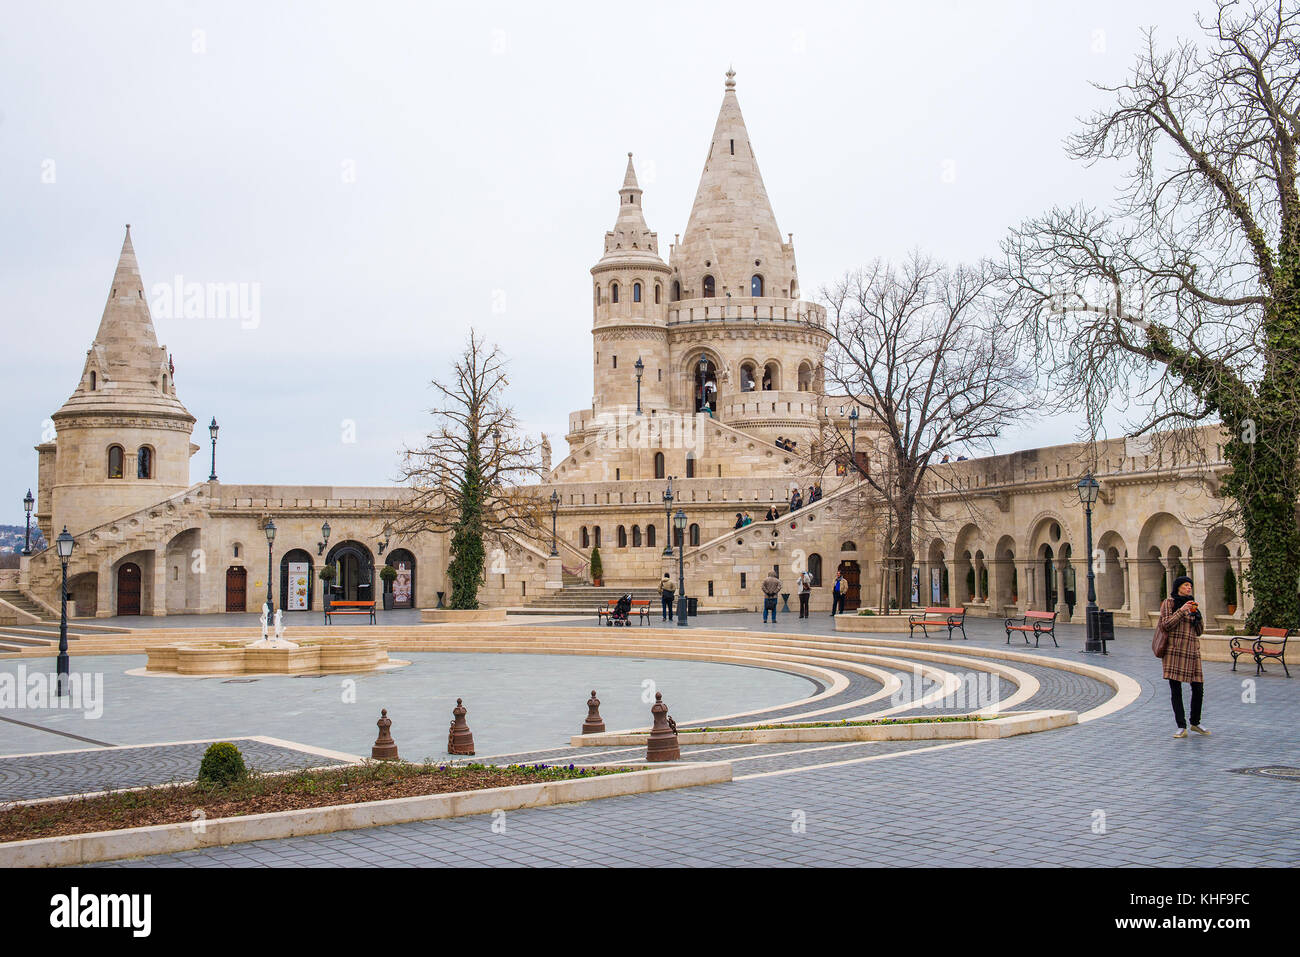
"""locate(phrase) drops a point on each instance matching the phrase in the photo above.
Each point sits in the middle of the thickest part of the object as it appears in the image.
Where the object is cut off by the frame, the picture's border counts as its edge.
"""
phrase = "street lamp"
(704, 371)
(63, 545)
(555, 510)
(668, 524)
(213, 429)
(1088, 488)
(853, 436)
(270, 542)
(325, 539)
(679, 522)
(28, 503)
(640, 369)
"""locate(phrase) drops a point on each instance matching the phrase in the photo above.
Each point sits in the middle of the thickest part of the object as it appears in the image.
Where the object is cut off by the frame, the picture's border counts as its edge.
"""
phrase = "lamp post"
(853, 436)
(1088, 488)
(325, 538)
(213, 429)
(270, 543)
(28, 503)
(63, 545)
(555, 510)
(668, 522)
(640, 370)
(704, 371)
(679, 522)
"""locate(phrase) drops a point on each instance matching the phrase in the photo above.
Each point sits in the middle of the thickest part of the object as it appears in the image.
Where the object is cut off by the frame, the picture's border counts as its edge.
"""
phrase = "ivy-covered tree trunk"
(467, 552)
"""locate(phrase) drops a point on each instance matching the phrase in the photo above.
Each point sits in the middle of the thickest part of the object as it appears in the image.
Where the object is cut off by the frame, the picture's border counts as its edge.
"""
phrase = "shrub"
(1229, 586)
(597, 571)
(388, 573)
(222, 764)
(326, 573)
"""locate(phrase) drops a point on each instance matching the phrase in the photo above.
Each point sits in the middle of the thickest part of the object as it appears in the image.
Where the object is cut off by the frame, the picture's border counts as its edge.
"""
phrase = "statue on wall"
(546, 453)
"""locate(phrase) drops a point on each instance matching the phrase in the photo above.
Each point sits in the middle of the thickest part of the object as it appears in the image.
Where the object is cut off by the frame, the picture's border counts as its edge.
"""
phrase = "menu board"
(299, 586)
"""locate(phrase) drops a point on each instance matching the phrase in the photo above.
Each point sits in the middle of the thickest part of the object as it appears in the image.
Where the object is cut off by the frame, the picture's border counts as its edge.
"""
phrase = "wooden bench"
(950, 618)
(1269, 643)
(1038, 623)
(350, 608)
(640, 608)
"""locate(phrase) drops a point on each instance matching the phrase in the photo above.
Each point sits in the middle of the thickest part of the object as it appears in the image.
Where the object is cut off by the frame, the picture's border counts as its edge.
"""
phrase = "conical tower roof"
(630, 241)
(732, 225)
(126, 369)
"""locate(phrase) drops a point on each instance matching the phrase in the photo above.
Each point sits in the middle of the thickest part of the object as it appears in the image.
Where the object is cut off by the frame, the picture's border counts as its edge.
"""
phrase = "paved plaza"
(1096, 794)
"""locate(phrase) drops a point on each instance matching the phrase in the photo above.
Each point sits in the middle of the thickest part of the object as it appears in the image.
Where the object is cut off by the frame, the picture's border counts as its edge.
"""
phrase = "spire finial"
(731, 78)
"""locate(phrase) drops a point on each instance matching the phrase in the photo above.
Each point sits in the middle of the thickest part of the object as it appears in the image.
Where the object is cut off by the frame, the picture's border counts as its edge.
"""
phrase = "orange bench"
(641, 606)
(1038, 623)
(951, 618)
(1260, 648)
(350, 608)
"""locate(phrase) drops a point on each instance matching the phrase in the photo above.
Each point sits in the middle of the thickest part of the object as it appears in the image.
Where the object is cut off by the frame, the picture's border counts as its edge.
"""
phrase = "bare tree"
(1186, 294)
(922, 351)
(465, 478)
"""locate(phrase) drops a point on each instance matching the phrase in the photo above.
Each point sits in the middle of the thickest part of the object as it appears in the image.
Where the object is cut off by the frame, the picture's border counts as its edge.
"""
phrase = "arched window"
(596, 535)
(695, 534)
(92, 380)
(771, 376)
(690, 465)
(115, 458)
(659, 465)
(622, 537)
(636, 536)
(708, 287)
(677, 291)
(756, 285)
(848, 546)
(144, 463)
(815, 569)
(805, 377)
(636, 292)
(677, 537)
(613, 292)
(650, 536)
(597, 295)
(584, 537)
(658, 289)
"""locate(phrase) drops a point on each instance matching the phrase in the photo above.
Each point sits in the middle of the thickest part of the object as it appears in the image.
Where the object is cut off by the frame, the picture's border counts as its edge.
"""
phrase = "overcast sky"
(385, 175)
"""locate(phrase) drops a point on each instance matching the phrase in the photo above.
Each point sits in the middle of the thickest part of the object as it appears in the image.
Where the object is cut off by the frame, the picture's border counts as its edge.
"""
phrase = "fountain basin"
(312, 656)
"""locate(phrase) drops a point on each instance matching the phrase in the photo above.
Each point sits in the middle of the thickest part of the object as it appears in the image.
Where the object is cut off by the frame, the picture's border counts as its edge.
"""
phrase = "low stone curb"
(437, 616)
(76, 849)
(1007, 727)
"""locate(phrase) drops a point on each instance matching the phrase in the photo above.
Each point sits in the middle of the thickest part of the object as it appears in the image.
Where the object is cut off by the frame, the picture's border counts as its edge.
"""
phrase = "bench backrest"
(945, 611)
(1045, 615)
(1267, 632)
(352, 604)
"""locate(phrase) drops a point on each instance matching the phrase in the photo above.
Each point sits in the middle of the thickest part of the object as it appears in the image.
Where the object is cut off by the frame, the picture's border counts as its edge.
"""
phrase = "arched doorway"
(853, 575)
(706, 384)
(236, 588)
(353, 572)
(128, 589)
(403, 586)
(296, 580)
(1049, 579)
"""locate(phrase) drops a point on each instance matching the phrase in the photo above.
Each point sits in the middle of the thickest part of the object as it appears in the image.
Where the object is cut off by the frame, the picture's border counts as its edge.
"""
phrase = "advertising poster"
(935, 580)
(299, 585)
(402, 585)
(916, 585)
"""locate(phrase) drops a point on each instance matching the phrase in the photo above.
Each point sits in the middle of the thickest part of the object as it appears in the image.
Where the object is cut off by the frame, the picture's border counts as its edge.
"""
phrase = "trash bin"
(692, 607)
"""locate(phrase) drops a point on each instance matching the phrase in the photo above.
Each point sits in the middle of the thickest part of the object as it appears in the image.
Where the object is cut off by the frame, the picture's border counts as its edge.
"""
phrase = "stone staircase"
(45, 635)
(23, 602)
(584, 599)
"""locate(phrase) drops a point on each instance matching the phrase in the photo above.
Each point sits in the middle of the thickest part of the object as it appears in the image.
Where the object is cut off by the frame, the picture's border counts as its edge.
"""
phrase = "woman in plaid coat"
(1180, 617)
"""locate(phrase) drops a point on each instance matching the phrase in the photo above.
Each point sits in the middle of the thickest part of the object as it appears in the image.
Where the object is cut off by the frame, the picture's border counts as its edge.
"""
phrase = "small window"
(613, 292)
(636, 292)
(144, 463)
(658, 289)
(677, 537)
(92, 380)
(848, 546)
(236, 549)
(690, 465)
(677, 291)
(615, 362)
(659, 465)
(756, 285)
(708, 287)
(815, 569)
(650, 535)
(598, 295)
(584, 537)
(695, 535)
(596, 535)
(636, 536)
(742, 581)
(622, 537)
(115, 458)
(733, 147)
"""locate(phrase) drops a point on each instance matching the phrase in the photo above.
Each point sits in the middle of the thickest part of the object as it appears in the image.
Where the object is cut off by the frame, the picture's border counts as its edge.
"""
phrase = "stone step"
(21, 601)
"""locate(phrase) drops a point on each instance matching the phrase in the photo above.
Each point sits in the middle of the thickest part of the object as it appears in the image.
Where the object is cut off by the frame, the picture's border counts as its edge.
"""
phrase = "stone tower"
(630, 308)
(123, 437)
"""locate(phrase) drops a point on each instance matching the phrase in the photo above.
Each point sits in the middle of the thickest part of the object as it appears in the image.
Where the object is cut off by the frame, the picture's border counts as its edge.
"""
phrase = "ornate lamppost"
(63, 545)
(325, 539)
(1088, 488)
(679, 522)
(213, 429)
(555, 510)
(668, 523)
(640, 369)
(270, 543)
(28, 504)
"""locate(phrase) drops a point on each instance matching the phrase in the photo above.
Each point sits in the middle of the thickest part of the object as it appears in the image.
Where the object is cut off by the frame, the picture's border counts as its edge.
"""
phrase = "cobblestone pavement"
(78, 772)
(1118, 791)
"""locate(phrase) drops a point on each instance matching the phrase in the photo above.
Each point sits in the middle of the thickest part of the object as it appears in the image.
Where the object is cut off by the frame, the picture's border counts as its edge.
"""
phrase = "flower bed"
(262, 793)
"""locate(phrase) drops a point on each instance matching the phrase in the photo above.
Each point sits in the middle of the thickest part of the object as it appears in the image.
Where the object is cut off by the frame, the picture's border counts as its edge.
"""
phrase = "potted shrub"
(1230, 590)
(327, 576)
(388, 574)
(597, 572)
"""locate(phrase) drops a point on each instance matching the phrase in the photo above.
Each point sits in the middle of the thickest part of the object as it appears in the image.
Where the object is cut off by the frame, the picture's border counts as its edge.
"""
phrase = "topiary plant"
(222, 764)
(1229, 586)
(597, 571)
(388, 573)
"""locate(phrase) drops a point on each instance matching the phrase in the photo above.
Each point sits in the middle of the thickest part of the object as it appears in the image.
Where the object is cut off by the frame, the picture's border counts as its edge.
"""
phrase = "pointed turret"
(732, 235)
(631, 239)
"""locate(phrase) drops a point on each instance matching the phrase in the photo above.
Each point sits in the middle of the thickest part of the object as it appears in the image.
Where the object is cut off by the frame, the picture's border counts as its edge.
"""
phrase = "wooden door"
(128, 589)
(852, 575)
(236, 588)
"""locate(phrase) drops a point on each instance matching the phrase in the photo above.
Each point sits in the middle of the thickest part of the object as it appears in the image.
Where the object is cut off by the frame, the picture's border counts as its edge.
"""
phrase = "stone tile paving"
(79, 772)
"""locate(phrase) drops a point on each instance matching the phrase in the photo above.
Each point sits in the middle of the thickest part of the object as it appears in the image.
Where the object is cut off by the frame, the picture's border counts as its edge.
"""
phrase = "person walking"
(805, 592)
(771, 588)
(740, 521)
(838, 593)
(666, 592)
(1181, 619)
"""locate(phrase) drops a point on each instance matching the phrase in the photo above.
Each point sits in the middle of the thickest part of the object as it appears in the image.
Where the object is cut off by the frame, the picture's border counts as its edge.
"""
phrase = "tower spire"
(631, 237)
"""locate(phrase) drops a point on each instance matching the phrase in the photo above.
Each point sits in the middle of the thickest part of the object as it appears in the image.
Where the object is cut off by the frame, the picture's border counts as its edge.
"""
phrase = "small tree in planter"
(388, 574)
(597, 571)
(970, 583)
(1230, 590)
(327, 574)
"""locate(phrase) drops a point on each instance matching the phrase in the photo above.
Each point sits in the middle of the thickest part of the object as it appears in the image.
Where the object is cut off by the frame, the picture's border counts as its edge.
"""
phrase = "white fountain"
(279, 641)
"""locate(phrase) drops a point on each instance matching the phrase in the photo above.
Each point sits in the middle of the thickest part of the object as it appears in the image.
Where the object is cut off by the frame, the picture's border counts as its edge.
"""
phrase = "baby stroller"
(622, 608)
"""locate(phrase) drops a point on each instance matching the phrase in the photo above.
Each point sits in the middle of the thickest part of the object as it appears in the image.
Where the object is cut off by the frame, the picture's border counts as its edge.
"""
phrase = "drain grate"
(239, 681)
(1280, 772)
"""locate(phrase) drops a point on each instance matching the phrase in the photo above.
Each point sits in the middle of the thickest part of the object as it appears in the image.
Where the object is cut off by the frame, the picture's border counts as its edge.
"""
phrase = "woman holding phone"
(1180, 617)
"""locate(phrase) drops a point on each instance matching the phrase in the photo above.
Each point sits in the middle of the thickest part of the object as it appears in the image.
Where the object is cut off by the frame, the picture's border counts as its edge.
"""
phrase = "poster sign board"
(916, 585)
(299, 586)
(936, 578)
(402, 585)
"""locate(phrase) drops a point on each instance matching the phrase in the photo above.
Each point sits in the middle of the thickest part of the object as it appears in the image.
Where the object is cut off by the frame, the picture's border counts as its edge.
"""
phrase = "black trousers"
(803, 605)
(837, 603)
(1176, 696)
(666, 601)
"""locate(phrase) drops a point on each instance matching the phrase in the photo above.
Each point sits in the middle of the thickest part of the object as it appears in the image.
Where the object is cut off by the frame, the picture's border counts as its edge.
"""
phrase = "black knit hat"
(1178, 583)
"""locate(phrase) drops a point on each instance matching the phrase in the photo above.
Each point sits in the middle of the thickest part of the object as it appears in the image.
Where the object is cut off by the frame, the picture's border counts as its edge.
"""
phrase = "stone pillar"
(1062, 609)
(1126, 608)
(955, 587)
(158, 600)
(104, 591)
(212, 583)
(1029, 587)
(25, 573)
(1211, 604)
(554, 574)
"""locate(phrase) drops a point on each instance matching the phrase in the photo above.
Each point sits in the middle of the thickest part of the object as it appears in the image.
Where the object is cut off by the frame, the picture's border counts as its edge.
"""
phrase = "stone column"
(554, 574)
(104, 591)
(1029, 587)
(1201, 588)
(954, 587)
(158, 600)
(212, 583)
(1062, 609)
(1126, 579)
